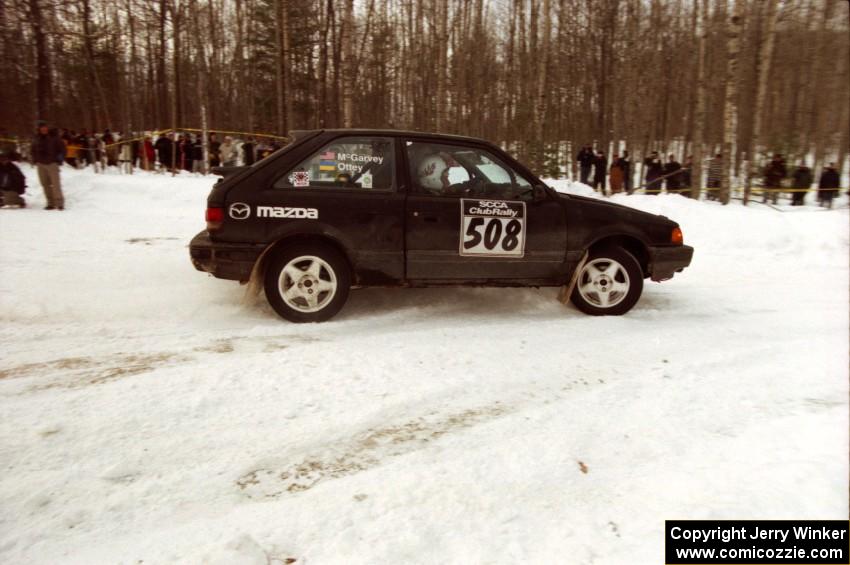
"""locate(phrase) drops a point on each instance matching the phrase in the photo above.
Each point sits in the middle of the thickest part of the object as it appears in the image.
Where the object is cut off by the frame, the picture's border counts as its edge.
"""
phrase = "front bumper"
(232, 261)
(664, 262)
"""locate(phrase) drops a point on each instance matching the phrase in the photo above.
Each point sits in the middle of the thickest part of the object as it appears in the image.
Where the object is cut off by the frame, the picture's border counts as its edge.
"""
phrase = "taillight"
(214, 218)
(676, 237)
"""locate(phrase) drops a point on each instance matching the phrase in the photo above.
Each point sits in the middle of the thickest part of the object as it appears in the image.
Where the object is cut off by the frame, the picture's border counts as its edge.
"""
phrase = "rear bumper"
(664, 262)
(232, 261)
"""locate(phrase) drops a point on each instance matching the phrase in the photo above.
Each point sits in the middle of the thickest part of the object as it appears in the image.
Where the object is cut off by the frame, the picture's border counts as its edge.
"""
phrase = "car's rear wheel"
(307, 282)
(609, 283)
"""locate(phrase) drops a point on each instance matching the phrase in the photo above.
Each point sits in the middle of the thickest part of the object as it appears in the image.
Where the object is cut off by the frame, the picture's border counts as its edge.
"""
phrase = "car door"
(346, 190)
(472, 218)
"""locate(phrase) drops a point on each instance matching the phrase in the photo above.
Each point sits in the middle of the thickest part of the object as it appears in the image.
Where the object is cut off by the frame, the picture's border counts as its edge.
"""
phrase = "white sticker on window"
(366, 180)
(300, 178)
(494, 228)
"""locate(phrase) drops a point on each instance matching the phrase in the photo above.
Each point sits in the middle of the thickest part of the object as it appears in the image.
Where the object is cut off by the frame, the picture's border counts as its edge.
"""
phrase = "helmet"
(431, 172)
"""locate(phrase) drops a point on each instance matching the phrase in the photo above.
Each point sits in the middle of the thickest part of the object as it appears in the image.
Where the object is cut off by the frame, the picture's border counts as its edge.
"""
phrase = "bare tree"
(730, 113)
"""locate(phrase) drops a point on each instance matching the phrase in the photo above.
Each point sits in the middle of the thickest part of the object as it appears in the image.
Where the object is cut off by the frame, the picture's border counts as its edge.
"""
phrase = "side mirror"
(540, 192)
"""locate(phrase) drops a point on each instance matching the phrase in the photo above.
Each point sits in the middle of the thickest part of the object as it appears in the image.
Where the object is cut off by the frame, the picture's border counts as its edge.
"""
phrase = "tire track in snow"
(362, 453)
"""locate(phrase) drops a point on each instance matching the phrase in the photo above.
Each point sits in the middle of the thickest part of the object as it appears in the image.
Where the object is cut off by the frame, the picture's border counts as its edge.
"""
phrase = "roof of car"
(393, 132)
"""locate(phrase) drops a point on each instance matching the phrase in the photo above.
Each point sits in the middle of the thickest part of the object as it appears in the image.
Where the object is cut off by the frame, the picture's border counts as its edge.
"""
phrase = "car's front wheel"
(307, 282)
(609, 283)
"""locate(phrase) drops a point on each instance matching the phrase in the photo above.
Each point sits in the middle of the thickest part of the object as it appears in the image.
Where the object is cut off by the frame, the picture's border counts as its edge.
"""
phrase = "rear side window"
(363, 163)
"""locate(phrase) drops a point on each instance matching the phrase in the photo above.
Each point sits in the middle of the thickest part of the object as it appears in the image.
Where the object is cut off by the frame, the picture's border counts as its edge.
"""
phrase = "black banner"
(763, 542)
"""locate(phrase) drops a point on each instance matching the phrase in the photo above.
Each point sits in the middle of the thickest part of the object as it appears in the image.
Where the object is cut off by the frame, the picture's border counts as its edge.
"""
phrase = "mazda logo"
(239, 211)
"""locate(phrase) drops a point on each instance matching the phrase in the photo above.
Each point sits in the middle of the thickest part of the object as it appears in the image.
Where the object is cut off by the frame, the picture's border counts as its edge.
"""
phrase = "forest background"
(540, 77)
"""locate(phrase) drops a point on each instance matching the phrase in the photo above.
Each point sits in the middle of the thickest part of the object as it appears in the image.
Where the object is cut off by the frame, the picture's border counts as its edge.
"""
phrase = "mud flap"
(255, 283)
(567, 289)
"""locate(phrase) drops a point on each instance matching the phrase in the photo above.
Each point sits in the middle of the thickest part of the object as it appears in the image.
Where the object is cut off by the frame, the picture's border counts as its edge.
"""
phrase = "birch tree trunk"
(286, 58)
(279, 94)
(730, 112)
(764, 61)
(699, 114)
(347, 37)
(441, 95)
(43, 83)
(540, 106)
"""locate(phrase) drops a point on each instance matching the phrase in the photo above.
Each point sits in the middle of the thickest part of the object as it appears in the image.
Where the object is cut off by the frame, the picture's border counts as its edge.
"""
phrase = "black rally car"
(342, 208)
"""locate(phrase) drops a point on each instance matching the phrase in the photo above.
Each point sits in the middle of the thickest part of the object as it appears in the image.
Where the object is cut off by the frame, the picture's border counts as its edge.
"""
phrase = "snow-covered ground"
(150, 413)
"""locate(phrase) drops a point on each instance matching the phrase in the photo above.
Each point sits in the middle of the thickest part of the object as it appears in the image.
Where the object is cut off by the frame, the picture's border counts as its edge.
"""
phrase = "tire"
(307, 282)
(609, 284)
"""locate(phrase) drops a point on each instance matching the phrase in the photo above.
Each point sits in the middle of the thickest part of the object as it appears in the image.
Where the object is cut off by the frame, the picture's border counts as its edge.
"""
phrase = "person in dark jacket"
(214, 145)
(802, 181)
(48, 153)
(626, 166)
(654, 170)
(248, 152)
(600, 172)
(828, 185)
(672, 172)
(774, 174)
(110, 148)
(163, 148)
(12, 182)
(184, 152)
(198, 155)
(585, 159)
(686, 176)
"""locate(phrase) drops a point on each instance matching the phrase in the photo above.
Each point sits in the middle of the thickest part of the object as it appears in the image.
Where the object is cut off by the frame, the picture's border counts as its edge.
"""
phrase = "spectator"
(685, 176)
(626, 166)
(185, 152)
(135, 150)
(802, 181)
(48, 153)
(828, 185)
(125, 156)
(715, 177)
(110, 148)
(654, 170)
(215, 158)
(72, 150)
(12, 181)
(774, 173)
(672, 172)
(93, 152)
(262, 149)
(586, 159)
(615, 174)
(148, 154)
(248, 152)
(198, 156)
(228, 152)
(600, 166)
(164, 148)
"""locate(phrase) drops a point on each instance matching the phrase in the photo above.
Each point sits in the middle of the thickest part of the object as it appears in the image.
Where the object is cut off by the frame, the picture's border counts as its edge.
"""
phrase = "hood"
(615, 210)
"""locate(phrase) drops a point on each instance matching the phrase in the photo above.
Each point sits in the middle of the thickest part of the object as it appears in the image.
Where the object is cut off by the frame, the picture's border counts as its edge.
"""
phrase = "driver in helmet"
(432, 173)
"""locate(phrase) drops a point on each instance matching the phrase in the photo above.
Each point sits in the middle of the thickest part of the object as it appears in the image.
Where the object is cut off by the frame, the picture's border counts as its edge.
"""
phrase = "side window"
(349, 162)
(454, 170)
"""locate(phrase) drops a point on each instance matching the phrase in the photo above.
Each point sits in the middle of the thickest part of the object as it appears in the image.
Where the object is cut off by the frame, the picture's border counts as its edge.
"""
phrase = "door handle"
(430, 219)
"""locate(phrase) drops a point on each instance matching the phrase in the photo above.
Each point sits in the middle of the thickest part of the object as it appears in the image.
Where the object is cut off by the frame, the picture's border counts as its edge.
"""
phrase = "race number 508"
(497, 236)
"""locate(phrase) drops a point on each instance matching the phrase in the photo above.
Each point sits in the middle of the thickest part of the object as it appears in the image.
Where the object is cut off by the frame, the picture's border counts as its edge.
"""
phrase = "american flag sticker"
(327, 161)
